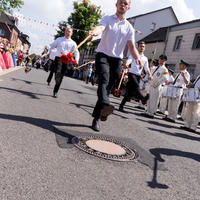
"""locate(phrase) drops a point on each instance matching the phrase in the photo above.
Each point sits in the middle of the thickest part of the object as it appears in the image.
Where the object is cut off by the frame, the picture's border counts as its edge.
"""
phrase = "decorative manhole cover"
(107, 148)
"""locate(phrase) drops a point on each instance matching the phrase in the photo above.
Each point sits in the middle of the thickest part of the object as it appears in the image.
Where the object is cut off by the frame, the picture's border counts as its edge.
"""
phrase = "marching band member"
(181, 80)
(134, 77)
(64, 45)
(117, 32)
(193, 110)
(160, 75)
(164, 100)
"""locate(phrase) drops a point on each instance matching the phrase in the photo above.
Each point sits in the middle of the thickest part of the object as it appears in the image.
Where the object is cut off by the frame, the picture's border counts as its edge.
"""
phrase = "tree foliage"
(85, 17)
(7, 6)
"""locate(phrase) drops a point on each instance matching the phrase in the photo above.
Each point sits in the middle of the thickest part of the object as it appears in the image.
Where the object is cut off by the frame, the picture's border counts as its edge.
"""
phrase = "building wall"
(161, 18)
(26, 48)
(150, 48)
(19, 45)
(14, 37)
(185, 52)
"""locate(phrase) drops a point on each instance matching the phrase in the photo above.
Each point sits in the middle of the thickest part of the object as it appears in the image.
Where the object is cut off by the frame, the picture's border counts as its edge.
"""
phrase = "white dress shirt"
(53, 53)
(65, 46)
(135, 68)
(179, 81)
(115, 36)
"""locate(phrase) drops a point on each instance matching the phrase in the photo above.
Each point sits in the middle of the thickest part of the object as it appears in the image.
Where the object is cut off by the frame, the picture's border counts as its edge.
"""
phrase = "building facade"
(8, 30)
(178, 42)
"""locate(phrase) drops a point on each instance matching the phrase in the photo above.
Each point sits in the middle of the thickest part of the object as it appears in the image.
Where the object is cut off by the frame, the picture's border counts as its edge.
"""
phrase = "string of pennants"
(22, 19)
(29, 21)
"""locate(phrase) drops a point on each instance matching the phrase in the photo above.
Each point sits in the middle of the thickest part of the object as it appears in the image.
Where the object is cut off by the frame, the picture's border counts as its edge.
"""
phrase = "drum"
(171, 92)
(191, 95)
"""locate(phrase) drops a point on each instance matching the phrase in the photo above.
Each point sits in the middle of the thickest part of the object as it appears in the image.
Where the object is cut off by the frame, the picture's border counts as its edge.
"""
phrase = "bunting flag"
(138, 32)
(29, 21)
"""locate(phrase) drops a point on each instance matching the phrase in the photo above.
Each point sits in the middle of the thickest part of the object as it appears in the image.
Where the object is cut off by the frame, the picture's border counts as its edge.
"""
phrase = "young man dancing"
(117, 32)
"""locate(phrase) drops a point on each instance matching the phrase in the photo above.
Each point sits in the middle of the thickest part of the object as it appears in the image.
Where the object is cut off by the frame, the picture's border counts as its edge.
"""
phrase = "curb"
(4, 72)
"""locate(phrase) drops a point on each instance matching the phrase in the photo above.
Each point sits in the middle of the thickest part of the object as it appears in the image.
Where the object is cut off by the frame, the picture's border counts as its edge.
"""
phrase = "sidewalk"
(6, 71)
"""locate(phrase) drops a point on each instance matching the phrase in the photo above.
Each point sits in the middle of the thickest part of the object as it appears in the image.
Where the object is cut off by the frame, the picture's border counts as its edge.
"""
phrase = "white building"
(152, 21)
(178, 42)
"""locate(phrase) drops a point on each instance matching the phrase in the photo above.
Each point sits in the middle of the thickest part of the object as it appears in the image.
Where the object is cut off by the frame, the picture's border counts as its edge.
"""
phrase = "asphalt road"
(38, 162)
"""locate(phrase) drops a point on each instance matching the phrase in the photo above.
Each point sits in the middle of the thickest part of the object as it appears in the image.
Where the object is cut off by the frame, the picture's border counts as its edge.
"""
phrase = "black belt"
(139, 76)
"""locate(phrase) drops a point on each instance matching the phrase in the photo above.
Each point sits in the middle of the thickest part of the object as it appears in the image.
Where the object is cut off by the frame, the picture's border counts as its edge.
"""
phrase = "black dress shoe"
(121, 109)
(147, 115)
(159, 112)
(55, 95)
(139, 107)
(145, 99)
(187, 129)
(106, 112)
(169, 120)
(183, 128)
(96, 125)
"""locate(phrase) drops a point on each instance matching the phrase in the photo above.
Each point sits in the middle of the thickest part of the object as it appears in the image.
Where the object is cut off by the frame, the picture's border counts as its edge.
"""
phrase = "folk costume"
(160, 75)
(174, 103)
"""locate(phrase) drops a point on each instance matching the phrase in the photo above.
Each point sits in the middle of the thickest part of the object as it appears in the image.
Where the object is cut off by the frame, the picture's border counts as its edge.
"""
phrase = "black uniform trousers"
(51, 66)
(60, 70)
(132, 89)
(108, 70)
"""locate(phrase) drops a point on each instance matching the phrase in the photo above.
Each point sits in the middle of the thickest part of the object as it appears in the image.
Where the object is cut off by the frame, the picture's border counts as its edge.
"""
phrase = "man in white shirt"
(134, 76)
(117, 32)
(181, 80)
(64, 45)
(160, 75)
(192, 118)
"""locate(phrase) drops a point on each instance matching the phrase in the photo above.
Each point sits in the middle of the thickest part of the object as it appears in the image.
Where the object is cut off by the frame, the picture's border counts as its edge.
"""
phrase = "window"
(196, 43)
(153, 26)
(178, 43)
(2, 32)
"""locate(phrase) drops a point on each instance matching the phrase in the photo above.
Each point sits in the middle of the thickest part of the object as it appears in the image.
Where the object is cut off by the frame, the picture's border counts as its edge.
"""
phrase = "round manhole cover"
(106, 148)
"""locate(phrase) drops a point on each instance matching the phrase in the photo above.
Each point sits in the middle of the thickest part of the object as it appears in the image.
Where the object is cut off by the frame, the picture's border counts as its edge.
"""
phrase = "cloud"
(52, 12)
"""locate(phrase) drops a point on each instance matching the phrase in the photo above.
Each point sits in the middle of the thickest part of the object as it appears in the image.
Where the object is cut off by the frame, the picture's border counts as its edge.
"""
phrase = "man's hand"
(182, 74)
(150, 77)
(138, 61)
(190, 86)
(96, 31)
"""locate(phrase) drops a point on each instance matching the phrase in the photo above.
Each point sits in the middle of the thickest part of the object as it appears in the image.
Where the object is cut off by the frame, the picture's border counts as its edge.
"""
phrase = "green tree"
(84, 18)
(7, 6)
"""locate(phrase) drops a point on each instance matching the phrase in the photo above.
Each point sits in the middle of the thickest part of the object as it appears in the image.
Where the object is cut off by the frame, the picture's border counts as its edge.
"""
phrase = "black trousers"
(108, 70)
(132, 89)
(51, 66)
(60, 70)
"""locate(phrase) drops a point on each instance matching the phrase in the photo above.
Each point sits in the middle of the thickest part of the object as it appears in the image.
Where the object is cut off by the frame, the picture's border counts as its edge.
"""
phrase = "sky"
(38, 18)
